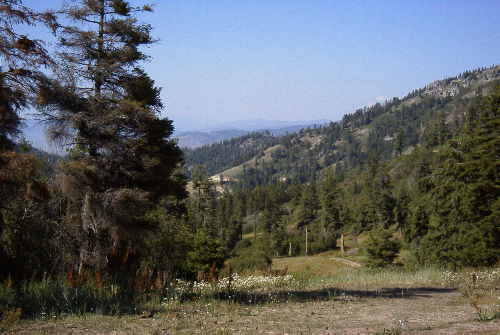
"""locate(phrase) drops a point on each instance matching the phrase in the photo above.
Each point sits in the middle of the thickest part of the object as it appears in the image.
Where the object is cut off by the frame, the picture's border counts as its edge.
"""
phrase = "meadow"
(318, 295)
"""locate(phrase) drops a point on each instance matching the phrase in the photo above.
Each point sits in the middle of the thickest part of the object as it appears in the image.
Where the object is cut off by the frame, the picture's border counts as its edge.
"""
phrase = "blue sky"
(226, 60)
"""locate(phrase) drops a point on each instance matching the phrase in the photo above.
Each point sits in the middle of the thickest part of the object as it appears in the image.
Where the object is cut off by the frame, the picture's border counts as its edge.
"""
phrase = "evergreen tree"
(306, 211)
(331, 211)
(437, 132)
(207, 253)
(381, 247)
(23, 215)
(464, 200)
(108, 110)
(20, 60)
(203, 203)
(279, 237)
(399, 142)
(307, 207)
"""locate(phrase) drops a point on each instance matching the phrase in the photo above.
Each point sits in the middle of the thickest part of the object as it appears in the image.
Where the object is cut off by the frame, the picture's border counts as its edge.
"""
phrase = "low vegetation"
(297, 303)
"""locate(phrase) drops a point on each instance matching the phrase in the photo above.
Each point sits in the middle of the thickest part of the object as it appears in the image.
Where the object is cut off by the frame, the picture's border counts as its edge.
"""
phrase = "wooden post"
(342, 244)
(306, 241)
(255, 230)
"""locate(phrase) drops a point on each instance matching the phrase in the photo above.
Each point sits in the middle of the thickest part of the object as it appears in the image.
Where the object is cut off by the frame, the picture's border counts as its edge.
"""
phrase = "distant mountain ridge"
(263, 124)
(198, 138)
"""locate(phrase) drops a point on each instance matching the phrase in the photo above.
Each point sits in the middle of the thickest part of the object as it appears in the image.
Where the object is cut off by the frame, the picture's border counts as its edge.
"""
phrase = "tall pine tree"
(108, 111)
(464, 220)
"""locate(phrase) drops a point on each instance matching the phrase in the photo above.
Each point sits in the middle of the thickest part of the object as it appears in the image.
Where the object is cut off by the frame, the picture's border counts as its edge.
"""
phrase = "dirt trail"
(347, 262)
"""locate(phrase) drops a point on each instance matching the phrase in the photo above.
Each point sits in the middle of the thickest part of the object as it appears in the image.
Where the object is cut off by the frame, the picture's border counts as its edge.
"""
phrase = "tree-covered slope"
(427, 116)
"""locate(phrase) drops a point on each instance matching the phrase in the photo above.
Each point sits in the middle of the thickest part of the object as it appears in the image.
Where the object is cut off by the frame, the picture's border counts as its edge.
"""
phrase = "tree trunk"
(342, 244)
(306, 242)
(255, 230)
(100, 49)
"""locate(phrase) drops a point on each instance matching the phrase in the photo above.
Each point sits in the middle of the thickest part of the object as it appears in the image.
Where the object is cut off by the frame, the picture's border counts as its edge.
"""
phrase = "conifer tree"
(464, 216)
(331, 211)
(307, 211)
(279, 237)
(108, 111)
(20, 60)
(437, 132)
(307, 208)
(381, 247)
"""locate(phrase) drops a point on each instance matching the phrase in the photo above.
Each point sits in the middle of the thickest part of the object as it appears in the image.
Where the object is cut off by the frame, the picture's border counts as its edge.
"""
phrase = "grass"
(320, 265)
(319, 296)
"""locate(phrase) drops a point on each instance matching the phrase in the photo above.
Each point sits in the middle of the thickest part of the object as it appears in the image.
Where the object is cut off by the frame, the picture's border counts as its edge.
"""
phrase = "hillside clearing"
(352, 301)
(410, 311)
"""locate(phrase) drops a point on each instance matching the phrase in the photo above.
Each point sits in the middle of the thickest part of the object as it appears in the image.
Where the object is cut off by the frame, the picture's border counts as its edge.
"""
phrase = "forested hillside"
(128, 222)
(428, 116)
(424, 168)
(439, 201)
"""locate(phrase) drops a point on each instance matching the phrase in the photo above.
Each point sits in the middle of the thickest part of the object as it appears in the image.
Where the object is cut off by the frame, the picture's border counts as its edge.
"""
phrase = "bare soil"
(419, 310)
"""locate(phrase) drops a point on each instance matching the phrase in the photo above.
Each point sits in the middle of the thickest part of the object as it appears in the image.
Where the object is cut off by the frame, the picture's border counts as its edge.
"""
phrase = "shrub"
(241, 247)
(7, 297)
(251, 261)
(381, 248)
(251, 256)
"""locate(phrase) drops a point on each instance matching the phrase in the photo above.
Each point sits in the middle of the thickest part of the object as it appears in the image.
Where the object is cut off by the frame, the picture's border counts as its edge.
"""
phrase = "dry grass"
(311, 266)
(420, 311)
(328, 298)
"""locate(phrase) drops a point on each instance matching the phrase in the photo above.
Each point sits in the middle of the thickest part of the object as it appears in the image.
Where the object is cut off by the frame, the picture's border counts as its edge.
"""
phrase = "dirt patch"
(328, 311)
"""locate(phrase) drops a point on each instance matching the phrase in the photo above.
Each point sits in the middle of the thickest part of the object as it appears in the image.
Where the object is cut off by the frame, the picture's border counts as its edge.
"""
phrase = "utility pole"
(342, 244)
(255, 230)
(306, 241)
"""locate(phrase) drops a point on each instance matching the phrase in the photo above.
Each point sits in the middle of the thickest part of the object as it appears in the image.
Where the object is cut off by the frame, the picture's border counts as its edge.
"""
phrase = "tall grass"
(367, 279)
(50, 298)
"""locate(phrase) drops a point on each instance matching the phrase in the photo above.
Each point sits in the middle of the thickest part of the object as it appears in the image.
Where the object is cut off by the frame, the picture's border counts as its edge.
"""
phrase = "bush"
(252, 261)
(381, 248)
(7, 297)
(241, 247)
(251, 257)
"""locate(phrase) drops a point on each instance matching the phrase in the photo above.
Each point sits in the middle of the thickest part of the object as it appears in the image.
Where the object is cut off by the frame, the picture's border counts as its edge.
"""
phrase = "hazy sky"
(225, 60)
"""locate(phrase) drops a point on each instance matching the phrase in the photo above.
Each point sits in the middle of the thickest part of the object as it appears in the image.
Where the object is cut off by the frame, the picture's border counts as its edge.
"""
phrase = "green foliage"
(122, 161)
(250, 258)
(7, 296)
(332, 213)
(21, 59)
(168, 244)
(381, 247)
(437, 132)
(307, 208)
(279, 238)
(462, 205)
(207, 252)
